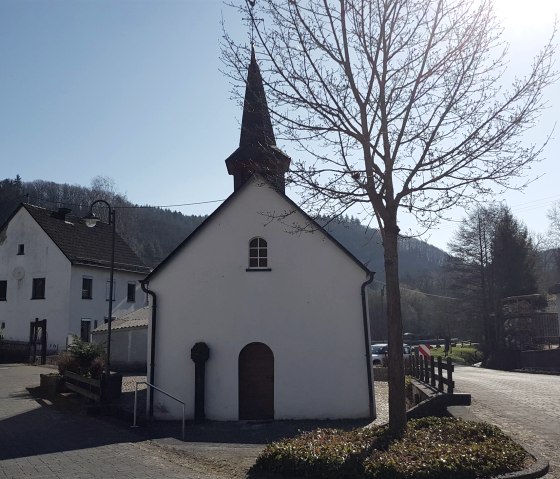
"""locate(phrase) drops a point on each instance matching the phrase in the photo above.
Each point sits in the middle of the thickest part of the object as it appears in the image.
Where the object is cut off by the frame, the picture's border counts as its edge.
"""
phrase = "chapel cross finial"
(252, 20)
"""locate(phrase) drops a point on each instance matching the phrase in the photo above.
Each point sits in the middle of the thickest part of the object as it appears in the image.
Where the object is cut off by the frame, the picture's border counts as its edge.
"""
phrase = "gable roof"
(230, 199)
(83, 245)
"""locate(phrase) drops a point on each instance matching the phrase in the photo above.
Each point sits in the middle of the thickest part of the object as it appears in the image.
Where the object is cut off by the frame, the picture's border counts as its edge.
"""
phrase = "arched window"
(258, 253)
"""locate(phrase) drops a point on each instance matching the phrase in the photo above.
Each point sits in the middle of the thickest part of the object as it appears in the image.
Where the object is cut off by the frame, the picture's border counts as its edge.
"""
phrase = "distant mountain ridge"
(154, 232)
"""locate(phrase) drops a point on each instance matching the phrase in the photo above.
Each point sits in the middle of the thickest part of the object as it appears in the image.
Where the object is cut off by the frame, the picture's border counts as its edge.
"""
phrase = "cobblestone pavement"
(40, 440)
(526, 406)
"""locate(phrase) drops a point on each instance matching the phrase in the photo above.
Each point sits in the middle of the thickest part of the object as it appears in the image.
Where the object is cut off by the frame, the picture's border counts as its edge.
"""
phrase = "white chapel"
(255, 317)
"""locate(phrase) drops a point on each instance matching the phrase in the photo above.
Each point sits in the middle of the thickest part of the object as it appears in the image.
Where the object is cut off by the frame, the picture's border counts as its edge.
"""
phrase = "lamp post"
(91, 220)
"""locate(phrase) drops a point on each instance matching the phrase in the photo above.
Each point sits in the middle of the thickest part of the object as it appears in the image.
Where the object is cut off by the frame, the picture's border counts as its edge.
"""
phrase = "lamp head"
(91, 220)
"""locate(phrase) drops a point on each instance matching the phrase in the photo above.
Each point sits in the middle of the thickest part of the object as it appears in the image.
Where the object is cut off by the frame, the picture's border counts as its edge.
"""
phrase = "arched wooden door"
(256, 382)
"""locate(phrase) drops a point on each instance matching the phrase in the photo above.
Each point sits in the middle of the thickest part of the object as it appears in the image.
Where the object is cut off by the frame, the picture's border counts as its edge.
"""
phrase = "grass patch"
(434, 448)
(460, 354)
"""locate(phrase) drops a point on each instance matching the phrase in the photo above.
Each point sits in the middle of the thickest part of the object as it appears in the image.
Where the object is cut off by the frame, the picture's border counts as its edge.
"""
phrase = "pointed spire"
(257, 152)
(256, 127)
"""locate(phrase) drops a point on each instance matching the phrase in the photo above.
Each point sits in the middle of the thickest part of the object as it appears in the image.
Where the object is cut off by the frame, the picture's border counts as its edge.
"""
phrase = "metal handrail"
(163, 392)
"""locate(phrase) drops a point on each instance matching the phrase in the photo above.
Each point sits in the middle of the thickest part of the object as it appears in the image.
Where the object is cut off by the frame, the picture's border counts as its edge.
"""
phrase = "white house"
(277, 305)
(53, 267)
(129, 340)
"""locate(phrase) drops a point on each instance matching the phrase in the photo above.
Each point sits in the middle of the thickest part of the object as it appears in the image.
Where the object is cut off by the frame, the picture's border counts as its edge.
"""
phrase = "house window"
(108, 289)
(131, 292)
(3, 290)
(258, 253)
(38, 288)
(20, 249)
(87, 288)
(85, 330)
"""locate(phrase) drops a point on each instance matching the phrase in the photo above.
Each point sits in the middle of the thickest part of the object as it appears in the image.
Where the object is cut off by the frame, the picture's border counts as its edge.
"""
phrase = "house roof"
(135, 319)
(83, 245)
(224, 205)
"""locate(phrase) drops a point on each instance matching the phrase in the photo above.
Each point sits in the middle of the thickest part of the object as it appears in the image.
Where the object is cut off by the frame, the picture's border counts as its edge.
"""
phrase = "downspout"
(367, 345)
(151, 378)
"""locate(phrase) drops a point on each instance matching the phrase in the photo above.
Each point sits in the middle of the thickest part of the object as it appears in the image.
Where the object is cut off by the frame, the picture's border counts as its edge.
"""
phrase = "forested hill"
(417, 259)
(154, 232)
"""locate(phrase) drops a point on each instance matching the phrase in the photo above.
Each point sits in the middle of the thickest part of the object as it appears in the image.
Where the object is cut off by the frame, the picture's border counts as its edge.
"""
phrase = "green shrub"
(81, 357)
(434, 448)
(67, 362)
(324, 453)
(461, 354)
(439, 448)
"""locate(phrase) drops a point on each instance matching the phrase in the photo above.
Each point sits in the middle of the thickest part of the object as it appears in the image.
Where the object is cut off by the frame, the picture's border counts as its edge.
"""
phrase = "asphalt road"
(526, 406)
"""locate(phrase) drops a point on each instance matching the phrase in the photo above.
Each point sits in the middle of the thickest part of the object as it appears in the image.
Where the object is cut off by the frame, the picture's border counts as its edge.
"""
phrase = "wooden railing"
(430, 372)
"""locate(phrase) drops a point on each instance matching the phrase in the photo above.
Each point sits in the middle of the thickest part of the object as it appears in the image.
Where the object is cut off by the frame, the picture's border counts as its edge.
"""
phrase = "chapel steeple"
(257, 152)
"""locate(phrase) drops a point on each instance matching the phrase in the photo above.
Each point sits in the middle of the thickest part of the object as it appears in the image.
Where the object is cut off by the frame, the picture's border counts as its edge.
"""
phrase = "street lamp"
(91, 220)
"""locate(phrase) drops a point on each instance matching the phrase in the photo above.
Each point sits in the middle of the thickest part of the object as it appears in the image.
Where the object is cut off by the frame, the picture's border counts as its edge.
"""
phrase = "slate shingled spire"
(257, 152)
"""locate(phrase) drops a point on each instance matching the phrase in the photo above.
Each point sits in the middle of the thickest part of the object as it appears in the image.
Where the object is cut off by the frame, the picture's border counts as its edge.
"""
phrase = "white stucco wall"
(307, 309)
(97, 308)
(128, 347)
(63, 306)
(42, 259)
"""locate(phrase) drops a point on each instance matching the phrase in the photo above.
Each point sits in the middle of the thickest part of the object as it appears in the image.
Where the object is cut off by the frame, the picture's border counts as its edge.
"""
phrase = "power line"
(419, 292)
(78, 205)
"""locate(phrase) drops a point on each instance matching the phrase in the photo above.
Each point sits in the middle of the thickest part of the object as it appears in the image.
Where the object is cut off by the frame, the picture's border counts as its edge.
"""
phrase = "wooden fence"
(430, 372)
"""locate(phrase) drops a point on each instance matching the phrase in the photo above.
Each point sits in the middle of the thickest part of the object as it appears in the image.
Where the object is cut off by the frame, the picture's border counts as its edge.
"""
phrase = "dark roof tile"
(83, 245)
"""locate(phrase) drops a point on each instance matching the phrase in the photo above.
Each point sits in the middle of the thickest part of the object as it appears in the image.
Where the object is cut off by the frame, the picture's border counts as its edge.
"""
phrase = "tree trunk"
(397, 400)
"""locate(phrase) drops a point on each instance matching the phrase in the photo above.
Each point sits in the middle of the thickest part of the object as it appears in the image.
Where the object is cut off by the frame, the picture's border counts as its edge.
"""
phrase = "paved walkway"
(526, 406)
(39, 440)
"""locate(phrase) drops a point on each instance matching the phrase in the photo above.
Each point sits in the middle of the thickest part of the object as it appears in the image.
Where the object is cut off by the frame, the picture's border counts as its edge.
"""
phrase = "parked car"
(379, 353)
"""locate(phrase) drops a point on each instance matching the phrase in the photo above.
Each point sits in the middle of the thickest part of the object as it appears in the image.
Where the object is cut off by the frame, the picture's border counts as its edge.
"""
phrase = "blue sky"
(132, 90)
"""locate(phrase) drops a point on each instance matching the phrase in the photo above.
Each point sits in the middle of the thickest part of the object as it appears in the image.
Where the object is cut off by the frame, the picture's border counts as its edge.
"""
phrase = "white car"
(379, 353)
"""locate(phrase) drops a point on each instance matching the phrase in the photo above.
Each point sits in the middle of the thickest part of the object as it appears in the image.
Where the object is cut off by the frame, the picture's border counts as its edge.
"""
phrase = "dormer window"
(258, 254)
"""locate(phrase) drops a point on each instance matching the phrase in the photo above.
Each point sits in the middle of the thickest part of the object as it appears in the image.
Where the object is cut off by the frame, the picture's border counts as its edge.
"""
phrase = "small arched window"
(258, 253)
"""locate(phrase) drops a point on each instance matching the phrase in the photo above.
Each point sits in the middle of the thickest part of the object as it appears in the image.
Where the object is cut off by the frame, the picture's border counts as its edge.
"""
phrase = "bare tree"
(553, 234)
(396, 103)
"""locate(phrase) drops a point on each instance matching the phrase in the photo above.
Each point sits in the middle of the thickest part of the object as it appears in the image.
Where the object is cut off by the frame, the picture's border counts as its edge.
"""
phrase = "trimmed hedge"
(430, 448)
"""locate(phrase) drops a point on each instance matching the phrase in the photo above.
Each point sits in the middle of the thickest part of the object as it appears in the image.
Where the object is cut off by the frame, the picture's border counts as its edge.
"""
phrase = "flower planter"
(51, 384)
(98, 390)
